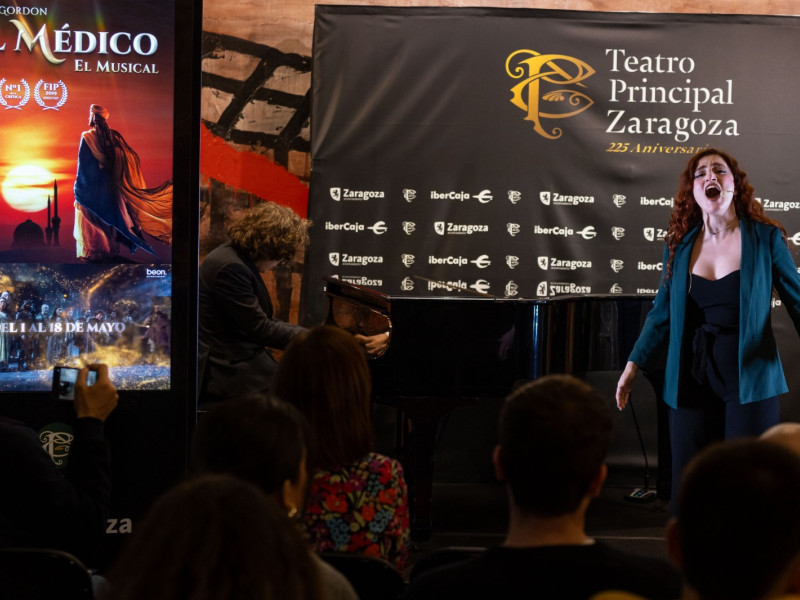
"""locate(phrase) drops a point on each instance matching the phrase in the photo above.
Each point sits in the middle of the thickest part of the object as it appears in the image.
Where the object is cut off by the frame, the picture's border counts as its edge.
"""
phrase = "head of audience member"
(215, 537)
(737, 531)
(553, 438)
(324, 373)
(262, 440)
(786, 434)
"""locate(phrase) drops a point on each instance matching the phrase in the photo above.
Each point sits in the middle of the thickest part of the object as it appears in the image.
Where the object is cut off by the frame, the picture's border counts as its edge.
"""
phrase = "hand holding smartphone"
(64, 379)
(92, 391)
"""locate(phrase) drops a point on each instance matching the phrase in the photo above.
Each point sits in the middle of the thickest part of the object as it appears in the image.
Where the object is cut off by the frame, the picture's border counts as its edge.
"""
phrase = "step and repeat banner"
(532, 153)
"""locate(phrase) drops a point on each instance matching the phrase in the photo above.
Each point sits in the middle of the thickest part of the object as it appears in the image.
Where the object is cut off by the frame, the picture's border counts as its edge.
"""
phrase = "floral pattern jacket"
(361, 507)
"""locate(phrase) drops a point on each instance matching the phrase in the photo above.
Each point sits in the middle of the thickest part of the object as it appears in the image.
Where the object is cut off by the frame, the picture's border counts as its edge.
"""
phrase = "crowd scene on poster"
(35, 337)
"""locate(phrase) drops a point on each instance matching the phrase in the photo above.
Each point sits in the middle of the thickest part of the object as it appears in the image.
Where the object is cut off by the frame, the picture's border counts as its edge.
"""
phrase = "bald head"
(785, 434)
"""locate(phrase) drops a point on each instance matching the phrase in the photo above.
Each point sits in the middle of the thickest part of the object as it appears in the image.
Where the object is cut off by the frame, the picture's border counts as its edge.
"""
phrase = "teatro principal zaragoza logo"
(547, 87)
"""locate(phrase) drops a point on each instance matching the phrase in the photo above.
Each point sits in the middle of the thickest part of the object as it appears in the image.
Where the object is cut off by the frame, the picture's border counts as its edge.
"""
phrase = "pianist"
(236, 322)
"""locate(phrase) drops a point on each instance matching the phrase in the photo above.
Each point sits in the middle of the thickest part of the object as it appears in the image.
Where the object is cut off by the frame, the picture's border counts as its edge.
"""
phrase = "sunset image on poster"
(57, 61)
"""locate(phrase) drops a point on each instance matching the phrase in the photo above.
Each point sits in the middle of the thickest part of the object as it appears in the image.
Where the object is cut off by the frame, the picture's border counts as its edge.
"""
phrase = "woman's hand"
(625, 384)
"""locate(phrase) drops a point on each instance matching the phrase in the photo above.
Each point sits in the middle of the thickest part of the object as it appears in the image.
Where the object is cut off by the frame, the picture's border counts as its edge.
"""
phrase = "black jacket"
(235, 326)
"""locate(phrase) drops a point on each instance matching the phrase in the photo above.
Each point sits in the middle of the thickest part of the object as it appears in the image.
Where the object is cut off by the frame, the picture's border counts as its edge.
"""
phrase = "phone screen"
(64, 379)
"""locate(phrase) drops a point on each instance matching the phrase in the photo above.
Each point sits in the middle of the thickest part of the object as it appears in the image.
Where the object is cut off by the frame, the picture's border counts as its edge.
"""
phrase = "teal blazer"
(766, 264)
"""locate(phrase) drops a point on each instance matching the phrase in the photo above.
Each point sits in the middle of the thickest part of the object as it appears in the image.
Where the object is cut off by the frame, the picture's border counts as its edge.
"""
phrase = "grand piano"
(446, 352)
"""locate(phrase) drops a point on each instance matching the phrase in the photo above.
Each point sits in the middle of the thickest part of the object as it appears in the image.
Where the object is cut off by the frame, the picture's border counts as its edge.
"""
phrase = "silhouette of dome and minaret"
(29, 234)
(31, 242)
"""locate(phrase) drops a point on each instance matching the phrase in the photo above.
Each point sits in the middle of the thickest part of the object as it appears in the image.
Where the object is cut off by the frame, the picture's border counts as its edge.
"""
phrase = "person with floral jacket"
(358, 499)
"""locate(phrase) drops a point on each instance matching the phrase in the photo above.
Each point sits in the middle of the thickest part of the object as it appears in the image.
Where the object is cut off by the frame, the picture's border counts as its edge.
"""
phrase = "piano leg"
(419, 457)
(418, 421)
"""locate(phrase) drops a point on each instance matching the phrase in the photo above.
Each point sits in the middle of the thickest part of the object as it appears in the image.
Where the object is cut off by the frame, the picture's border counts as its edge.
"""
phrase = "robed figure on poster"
(113, 206)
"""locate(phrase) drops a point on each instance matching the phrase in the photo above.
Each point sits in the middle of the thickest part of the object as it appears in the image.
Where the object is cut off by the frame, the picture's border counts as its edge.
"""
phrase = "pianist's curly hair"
(269, 231)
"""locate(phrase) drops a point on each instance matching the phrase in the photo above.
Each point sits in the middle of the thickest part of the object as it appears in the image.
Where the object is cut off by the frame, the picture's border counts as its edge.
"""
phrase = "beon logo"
(156, 273)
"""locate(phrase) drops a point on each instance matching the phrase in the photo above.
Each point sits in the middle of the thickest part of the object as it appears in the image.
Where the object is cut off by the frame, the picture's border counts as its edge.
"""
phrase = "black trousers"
(692, 428)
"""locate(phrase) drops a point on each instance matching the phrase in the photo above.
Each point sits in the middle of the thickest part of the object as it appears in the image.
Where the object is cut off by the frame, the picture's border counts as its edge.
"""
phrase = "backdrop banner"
(533, 153)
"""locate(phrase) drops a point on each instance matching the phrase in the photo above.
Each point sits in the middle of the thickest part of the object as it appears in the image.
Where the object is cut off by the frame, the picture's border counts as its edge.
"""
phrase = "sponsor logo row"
(484, 196)
(508, 289)
(443, 228)
(483, 261)
(547, 198)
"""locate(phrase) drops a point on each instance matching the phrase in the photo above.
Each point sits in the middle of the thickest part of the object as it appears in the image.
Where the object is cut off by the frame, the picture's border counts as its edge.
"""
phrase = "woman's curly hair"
(269, 231)
(686, 213)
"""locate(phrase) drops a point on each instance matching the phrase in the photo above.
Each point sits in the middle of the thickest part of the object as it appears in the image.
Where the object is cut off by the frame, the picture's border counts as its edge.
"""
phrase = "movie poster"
(86, 114)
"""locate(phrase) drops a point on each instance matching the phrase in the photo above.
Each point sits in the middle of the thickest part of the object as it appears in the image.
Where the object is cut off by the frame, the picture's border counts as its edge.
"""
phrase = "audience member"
(215, 537)
(737, 531)
(43, 506)
(358, 501)
(786, 434)
(264, 442)
(553, 438)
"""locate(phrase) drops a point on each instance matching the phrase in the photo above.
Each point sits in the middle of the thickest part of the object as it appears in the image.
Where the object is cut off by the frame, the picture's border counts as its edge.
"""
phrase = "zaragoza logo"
(530, 94)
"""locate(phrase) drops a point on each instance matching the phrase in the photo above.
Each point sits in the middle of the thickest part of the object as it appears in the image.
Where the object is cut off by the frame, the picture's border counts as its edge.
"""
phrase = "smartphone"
(64, 379)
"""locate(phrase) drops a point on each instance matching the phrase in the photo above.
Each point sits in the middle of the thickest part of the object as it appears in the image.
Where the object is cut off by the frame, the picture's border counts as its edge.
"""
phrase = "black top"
(566, 572)
(46, 507)
(712, 352)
